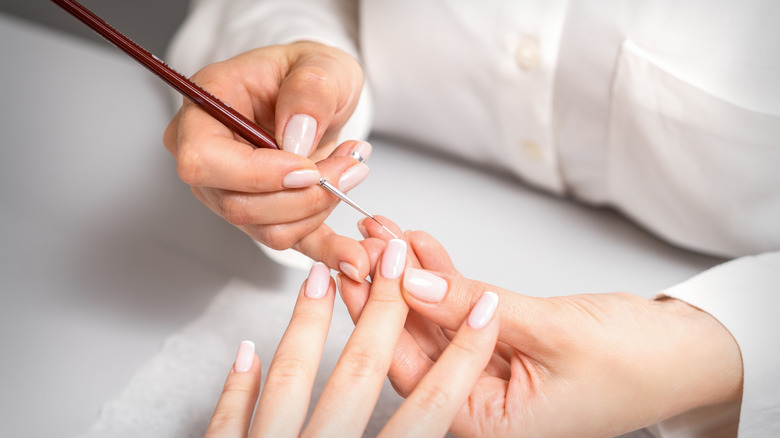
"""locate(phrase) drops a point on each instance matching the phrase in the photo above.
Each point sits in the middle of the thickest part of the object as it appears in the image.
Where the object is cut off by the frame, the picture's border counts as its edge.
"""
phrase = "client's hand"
(580, 365)
(348, 399)
(303, 94)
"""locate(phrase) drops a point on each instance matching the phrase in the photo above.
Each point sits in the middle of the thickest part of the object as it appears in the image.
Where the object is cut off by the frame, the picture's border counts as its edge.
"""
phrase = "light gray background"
(150, 23)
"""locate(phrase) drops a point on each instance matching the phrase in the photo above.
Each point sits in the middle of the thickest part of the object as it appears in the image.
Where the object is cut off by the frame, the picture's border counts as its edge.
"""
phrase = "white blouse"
(667, 111)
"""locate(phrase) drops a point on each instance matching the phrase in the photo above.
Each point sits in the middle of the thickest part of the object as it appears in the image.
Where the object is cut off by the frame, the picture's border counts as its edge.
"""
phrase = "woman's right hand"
(303, 94)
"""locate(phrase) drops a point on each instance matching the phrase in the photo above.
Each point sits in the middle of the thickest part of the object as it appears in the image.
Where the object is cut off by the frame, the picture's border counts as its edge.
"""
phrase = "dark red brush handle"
(215, 107)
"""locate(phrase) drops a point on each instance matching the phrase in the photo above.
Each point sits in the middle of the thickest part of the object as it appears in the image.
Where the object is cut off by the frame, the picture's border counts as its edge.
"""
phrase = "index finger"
(211, 155)
(349, 397)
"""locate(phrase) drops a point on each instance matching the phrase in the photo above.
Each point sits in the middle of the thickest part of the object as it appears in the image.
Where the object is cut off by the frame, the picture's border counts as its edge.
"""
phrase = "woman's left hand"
(592, 365)
(348, 399)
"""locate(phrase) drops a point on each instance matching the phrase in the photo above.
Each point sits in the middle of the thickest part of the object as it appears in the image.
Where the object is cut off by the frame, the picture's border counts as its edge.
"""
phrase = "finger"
(284, 401)
(316, 97)
(171, 135)
(432, 406)
(233, 413)
(278, 207)
(430, 252)
(445, 299)
(210, 155)
(339, 252)
(379, 228)
(353, 388)
(410, 361)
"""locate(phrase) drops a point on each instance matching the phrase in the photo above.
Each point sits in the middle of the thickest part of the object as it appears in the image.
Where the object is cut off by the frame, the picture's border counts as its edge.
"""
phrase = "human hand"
(347, 401)
(303, 94)
(581, 365)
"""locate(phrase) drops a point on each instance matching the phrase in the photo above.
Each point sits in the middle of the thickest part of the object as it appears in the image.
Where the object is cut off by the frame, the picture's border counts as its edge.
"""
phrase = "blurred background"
(150, 23)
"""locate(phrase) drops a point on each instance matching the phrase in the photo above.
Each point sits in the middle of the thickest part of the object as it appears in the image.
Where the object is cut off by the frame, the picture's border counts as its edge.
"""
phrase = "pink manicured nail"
(318, 281)
(425, 285)
(350, 271)
(352, 177)
(361, 151)
(362, 228)
(245, 357)
(301, 178)
(394, 259)
(299, 134)
(484, 309)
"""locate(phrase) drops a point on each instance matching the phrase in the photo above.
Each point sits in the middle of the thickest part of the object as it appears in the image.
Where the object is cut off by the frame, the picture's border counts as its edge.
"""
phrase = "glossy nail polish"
(352, 177)
(350, 271)
(318, 281)
(244, 357)
(394, 259)
(299, 134)
(482, 311)
(425, 285)
(301, 178)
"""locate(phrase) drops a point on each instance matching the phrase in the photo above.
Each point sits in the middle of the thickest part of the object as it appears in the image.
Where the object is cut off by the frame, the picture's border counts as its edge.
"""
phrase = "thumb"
(316, 97)
(446, 299)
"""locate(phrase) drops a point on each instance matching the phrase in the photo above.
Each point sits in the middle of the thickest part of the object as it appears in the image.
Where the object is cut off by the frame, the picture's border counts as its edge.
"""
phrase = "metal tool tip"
(384, 227)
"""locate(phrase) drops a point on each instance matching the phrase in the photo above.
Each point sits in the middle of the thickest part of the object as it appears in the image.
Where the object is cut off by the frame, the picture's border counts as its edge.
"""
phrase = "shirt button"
(533, 150)
(527, 53)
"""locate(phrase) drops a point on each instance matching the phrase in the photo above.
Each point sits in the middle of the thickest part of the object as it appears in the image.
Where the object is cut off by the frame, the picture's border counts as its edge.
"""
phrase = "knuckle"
(190, 166)
(288, 369)
(234, 210)
(276, 237)
(222, 421)
(432, 398)
(238, 388)
(317, 81)
(363, 364)
(465, 349)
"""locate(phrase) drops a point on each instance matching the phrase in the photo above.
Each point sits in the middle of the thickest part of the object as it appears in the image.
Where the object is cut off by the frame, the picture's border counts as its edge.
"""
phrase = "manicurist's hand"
(583, 365)
(344, 407)
(303, 94)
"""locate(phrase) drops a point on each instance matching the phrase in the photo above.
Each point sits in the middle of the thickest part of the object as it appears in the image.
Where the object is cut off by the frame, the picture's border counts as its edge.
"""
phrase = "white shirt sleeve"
(744, 295)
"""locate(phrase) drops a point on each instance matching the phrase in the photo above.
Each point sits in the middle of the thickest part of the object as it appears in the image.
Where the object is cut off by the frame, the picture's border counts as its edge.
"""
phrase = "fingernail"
(338, 285)
(362, 228)
(425, 285)
(299, 134)
(301, 178)
(352, 177)
(318, 281)
(394, 259)
(245, 357)
(361, 151)
(484, 309)
(350, 271)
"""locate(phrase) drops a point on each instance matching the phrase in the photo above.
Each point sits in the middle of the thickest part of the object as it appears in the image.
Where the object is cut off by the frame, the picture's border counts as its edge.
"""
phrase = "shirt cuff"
(744, 296)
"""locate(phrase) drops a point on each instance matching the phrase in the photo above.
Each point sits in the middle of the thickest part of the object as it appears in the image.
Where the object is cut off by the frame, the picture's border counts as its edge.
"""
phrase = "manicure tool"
(213, 106)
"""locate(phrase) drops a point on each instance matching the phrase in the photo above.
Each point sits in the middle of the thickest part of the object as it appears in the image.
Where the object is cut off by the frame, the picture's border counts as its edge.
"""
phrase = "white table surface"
(105, 252)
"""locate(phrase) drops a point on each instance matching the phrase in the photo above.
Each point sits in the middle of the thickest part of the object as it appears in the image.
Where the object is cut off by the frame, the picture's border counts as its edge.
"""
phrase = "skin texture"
(580, 365)
(345, 405)
(244, 185)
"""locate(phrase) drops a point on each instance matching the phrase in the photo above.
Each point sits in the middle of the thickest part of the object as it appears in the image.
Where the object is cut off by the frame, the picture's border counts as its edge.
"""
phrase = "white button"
(527, 53)
(533, 150)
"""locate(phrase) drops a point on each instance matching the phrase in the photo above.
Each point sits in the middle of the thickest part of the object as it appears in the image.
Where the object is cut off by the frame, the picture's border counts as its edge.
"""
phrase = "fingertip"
(245, 357)
(483, 311)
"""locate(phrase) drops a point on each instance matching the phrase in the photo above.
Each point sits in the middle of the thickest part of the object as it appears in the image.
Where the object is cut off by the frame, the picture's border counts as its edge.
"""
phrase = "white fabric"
(669, 112)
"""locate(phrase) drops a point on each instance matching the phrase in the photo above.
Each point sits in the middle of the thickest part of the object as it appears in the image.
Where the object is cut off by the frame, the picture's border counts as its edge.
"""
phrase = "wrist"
(711, 370)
